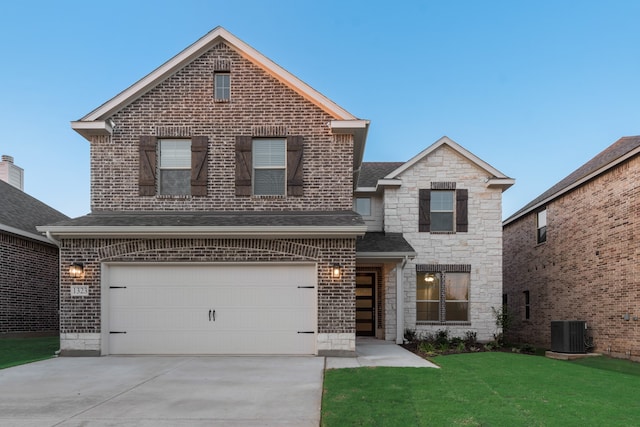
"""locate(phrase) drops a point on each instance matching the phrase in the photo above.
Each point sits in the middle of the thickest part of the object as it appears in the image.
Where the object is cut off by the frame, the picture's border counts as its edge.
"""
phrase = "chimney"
(11, 173)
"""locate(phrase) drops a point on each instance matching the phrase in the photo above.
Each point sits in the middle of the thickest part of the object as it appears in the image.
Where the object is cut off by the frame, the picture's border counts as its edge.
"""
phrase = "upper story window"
(541, 226)
(174, 167)
(222, 86)
(269, 167)
(443, 210)
(363, 206)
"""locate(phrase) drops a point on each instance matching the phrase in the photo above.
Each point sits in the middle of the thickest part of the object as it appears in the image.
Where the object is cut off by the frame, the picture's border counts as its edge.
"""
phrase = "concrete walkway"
(373, 352)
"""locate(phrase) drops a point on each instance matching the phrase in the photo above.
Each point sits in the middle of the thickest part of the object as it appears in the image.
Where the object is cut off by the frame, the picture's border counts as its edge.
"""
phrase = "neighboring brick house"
(28, 264)
(434, 227)
(572, 254)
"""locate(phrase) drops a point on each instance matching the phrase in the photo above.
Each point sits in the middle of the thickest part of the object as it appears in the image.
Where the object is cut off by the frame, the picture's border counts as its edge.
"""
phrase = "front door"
(365, 304)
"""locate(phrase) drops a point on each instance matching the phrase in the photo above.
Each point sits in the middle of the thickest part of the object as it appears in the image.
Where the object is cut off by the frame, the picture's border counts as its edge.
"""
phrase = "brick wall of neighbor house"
(183, 106)
(587, 269)
(80, 316)
(29, 291)
(481, 246)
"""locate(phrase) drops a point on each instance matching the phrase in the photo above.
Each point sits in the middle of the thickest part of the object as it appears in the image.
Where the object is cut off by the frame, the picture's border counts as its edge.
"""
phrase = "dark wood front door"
(365, 304)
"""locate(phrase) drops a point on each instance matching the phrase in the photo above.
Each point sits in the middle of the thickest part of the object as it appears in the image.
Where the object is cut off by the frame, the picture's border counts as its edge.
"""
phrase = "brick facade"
(183, 106)
(588, 267)
(28, 286)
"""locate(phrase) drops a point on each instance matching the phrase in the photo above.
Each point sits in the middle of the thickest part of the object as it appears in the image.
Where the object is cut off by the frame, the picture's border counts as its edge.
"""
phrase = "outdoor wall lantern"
(76, 270)
(336, 271)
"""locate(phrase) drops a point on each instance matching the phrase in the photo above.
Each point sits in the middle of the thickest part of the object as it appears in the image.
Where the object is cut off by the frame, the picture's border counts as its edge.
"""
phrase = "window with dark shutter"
(424, 203)
(244, 165)
(294, 165)
(199, 165)
(147, 166)
(462, 223)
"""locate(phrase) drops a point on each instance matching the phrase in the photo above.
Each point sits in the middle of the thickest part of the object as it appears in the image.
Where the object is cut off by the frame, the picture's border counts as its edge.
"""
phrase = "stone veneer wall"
(29, 286)
(80, 317)
(481, 246)
(586, 270)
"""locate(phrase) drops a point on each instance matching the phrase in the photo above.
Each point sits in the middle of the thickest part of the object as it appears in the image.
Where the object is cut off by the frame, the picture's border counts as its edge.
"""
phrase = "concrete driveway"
(163, 391)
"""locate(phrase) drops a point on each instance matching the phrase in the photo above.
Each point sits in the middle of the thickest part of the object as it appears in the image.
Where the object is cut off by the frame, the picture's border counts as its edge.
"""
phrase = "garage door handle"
(212, 315)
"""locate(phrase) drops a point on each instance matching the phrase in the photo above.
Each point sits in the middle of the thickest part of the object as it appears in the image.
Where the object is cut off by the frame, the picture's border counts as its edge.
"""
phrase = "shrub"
(410, 335)
(470, 338)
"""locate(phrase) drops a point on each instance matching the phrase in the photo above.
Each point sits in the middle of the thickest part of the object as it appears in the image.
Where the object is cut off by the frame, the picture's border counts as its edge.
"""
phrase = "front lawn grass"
(17, 351)
(482, 389)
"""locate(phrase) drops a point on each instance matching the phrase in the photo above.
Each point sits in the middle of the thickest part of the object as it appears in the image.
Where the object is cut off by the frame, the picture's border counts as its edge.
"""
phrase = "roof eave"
(501, 183)
(208, 231)
(26, 234)
(89, 129)
(359, 128)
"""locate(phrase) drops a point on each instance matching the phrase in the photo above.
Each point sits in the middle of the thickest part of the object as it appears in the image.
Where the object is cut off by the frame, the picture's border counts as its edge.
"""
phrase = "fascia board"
(388, 183)
(215, 36)
(385, 255)
(575, 185)
(25, 234)
(182, 231)
(503, 183)
(89, 129)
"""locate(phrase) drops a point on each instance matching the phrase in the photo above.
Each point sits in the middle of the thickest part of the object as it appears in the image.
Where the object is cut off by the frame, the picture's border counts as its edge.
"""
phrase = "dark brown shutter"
(244, 165)
(199, 165)
(424, 208)
(462, 223)
(294, 165)
(147, 159)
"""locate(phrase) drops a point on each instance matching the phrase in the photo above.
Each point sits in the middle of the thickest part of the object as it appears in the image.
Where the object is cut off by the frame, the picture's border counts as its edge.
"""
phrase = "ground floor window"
(442, 293)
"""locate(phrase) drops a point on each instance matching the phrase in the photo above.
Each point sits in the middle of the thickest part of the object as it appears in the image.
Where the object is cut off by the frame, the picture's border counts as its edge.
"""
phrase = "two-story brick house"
(221, 214)
(222, 195)
(434, 228)
(572, 254)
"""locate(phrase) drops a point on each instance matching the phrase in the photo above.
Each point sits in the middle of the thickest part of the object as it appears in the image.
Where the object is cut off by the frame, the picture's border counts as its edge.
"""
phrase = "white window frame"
(363, 210)
(452, 211)
(222, 86)
(280, 166)
(541, 226)
(166, 163)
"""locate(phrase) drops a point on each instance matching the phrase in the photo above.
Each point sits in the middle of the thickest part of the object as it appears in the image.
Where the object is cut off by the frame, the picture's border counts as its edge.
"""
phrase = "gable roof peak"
(97, 121)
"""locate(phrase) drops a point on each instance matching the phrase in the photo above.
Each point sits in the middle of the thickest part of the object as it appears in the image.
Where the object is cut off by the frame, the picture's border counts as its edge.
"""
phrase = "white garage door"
(211, 309)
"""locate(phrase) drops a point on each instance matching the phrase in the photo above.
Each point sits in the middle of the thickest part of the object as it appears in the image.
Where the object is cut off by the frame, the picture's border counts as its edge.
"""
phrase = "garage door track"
(163, 391)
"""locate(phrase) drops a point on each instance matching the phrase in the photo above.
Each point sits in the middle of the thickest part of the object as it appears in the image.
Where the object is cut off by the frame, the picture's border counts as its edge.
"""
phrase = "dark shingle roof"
(618, 149)
(20, 210)
(381, 242)
(215, 219)
(371, 172)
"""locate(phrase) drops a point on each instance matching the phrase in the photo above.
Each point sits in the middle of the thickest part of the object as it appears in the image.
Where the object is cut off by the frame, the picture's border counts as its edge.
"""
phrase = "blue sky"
(534, 88)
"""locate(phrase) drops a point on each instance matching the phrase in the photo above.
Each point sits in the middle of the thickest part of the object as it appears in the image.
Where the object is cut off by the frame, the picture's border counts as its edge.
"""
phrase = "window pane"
(268, 182)
(442, 200)
(175, 182)
(542, 234)
(175, 153)
(457, 311)
(269, 153)
(363, 206)
(441, 221)
(542, 218)
(428, 287)
(457, 286)
(222, 86)
(427, 311)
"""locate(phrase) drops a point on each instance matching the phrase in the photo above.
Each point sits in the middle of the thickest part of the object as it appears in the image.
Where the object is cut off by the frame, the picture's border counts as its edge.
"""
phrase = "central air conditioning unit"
(568, 336)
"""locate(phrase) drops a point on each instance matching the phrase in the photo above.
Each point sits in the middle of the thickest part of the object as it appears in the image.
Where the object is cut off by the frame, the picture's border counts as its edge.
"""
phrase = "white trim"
(384, 255)
(400, 301)
(27, 235)
(184, 231)
(88, 129)
(456, 147)
(195, 50)
(576, 184)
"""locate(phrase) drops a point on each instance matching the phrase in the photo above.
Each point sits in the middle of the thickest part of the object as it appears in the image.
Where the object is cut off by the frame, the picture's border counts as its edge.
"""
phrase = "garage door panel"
(206, 309)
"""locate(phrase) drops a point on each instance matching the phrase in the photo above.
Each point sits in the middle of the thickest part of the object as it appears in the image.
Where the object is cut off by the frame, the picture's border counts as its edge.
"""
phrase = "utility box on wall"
(568, 336)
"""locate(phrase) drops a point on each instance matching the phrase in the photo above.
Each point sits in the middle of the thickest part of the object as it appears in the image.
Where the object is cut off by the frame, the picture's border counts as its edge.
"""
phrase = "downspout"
(50, 237)
(400, 301)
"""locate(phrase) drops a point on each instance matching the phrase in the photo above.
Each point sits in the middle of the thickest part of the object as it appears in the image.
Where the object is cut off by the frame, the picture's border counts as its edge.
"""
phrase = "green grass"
(17, 351)
(482, 389)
